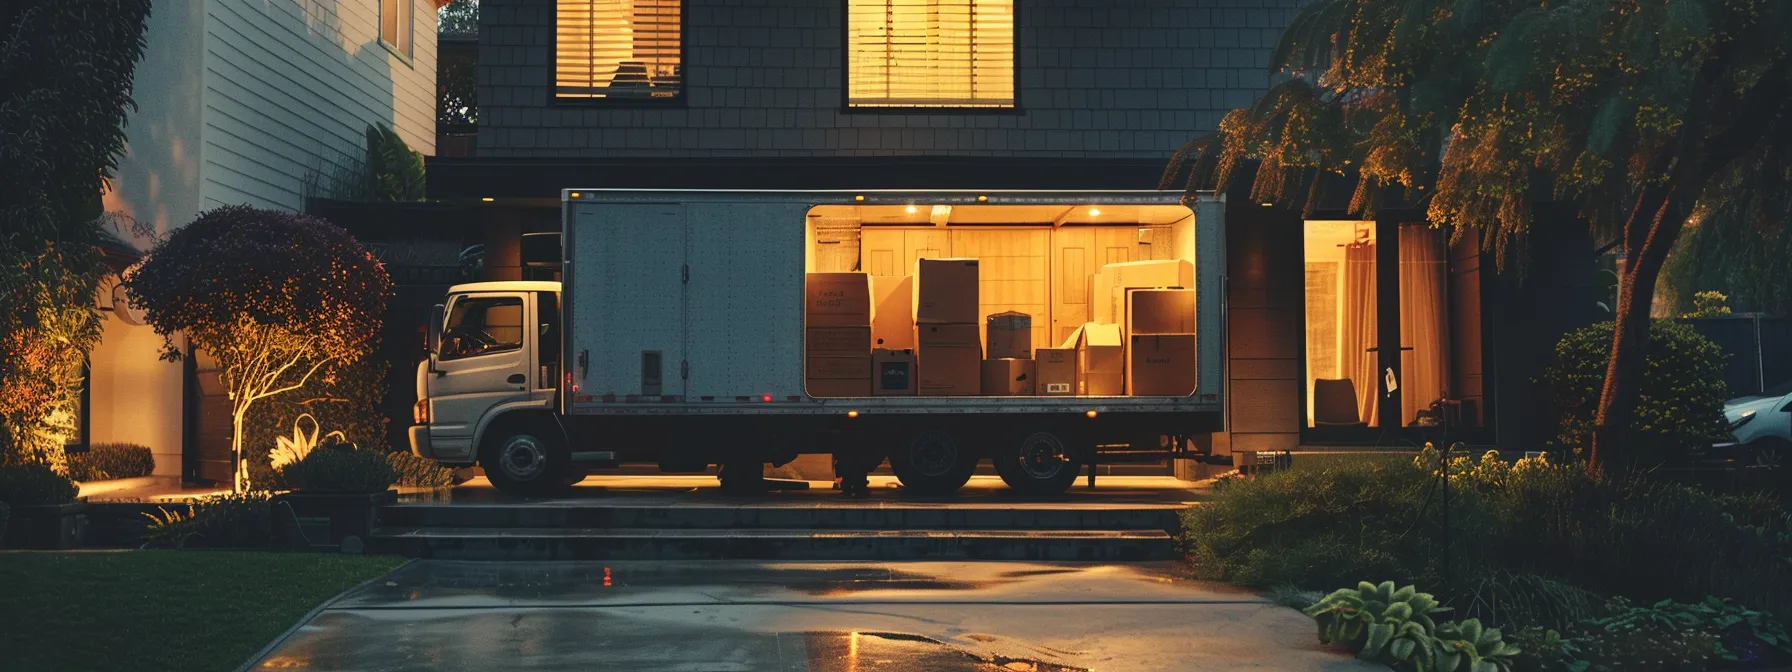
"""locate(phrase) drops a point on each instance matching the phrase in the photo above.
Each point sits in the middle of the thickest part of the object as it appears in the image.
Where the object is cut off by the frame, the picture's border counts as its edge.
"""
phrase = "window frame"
(407, 27)
(846, 106)
(680, 100)
(523, 334)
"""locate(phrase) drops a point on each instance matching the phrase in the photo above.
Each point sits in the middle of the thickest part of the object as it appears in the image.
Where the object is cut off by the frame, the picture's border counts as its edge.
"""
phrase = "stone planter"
(313, 521)
(47, 526)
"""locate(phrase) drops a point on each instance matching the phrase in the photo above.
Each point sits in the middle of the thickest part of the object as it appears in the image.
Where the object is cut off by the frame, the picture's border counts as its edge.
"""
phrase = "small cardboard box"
(1010, 335)
(836, 341)
(892, 312)
(1159, 311)
(1055, 371)
(1161, 365)
(837, 368)
(846, 387)
(1101, 360)
(946, 291)
(837, 300)
(892, 373)
(946, 360)
(1008, 378)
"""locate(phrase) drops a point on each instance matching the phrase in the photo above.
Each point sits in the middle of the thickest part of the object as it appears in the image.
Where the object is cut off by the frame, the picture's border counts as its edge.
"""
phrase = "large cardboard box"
(946, 291)
(1055, 371)
(1008, 378)
(836, 341)
(947, 359)
(893, 373)
(837, 300)
(846, 387)
(892, 312)
(1108, 308)
(1161, 365)
(1158, 311)
(837, 368)
(1101, 360)
(1010, 335)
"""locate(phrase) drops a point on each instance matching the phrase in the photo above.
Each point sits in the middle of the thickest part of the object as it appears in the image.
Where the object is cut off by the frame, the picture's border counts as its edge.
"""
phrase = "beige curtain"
(1356, 361)
(1424, 320)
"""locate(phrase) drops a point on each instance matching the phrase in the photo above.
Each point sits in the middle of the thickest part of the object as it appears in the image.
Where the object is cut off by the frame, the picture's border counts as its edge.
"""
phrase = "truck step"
(859, 516)
(562, 543)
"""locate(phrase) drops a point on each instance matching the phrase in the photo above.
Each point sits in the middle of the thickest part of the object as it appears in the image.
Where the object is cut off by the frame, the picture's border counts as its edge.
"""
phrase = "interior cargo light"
(1094, 212)
(852, 414)
(1091, 413)
(910, 210)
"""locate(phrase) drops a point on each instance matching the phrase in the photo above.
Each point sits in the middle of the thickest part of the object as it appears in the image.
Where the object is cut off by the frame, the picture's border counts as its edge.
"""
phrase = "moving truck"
(698, 328)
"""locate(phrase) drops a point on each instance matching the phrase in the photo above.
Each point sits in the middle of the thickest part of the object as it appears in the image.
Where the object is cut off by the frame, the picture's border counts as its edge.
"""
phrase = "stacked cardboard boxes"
(948, 348)
(1009, 371)
(837, 335)
(1160, 348)
(1109, 285)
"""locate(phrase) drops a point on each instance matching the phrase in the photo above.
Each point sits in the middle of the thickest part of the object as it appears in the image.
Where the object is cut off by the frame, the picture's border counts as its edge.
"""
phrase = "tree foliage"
(1681, 408)
(275, 297)
(1641, 113)
(65, 85)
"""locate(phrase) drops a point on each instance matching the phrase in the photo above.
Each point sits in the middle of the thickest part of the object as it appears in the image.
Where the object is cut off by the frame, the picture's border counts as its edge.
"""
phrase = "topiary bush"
(35, 484)
(419, 472)
(107, 461)
(330, 469)
(1680, 411)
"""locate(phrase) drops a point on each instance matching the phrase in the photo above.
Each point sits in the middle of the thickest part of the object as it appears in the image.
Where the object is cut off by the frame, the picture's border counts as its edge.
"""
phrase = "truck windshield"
(482, 326)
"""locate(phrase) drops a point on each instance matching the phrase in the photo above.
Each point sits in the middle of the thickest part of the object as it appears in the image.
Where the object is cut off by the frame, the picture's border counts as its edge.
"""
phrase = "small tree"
(274, 296)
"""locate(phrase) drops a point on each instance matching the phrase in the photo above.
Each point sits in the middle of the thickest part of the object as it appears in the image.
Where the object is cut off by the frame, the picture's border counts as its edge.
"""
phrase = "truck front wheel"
(523, 462)
(933, 462)
(1041, 463)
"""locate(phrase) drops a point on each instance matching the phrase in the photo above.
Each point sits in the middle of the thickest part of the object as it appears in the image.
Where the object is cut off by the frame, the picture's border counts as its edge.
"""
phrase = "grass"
(161, 610)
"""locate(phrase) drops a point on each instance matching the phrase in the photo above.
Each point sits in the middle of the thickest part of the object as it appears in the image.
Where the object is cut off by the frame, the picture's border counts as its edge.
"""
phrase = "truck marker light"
(859, 198)
(852, 414)
(765, 398)
(910, 210)
(1091, 413)
(1094, 212)
(574, 194)
(982, 199)
(488, 199)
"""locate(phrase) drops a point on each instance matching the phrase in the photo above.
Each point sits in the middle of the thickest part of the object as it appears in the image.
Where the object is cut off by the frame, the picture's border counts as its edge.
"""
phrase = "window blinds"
(930, 53)
(626, 49)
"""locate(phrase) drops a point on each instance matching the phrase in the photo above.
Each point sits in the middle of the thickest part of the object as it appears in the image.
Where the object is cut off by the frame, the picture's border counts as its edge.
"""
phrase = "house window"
(395, 25)
(930, 53)
(618, 50)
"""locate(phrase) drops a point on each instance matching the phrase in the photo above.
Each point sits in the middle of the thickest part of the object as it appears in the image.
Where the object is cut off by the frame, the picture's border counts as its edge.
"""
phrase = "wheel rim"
(1042, 456)
(523, 458)
(933, 453)
(1768, 457)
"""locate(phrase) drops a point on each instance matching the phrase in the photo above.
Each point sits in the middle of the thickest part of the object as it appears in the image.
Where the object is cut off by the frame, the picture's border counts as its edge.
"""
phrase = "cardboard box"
(854, 387)
(892, 312)
(1161, 365)
(1055, 371)
(837, 300)
(1159, 311)
(1010, 335)
(946, 291)
(1101, 360)
(1008, 378)
(837, 368)
(893, 373)
(836, 341)
(1109, 309)
(947, 359)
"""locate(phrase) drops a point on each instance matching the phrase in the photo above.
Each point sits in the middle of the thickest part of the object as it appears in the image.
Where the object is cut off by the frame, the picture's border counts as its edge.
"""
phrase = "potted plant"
(336, 490)
(44, 511)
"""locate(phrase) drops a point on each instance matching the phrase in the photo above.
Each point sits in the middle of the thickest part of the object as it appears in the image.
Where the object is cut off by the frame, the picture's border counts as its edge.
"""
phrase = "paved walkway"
(795, 617)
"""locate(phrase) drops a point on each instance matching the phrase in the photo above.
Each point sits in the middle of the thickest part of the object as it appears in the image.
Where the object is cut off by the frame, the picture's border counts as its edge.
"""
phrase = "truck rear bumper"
(420, 442)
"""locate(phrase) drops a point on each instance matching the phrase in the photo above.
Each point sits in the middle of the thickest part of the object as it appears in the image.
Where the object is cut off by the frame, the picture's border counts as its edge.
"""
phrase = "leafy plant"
(1680, 409)
(1468, 647)
(105, 461)
(419, 472)
(394, 171)
(33, 484)
(1739, 634)
(1709, 304)
(344, 396)
(1512, 599)
(1380, 623)
(340, 470)
(288, 450)
(1545, 650)
(239, 520)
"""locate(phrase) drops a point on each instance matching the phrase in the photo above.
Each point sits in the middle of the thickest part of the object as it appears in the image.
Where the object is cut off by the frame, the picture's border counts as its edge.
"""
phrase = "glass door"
(1342, 315)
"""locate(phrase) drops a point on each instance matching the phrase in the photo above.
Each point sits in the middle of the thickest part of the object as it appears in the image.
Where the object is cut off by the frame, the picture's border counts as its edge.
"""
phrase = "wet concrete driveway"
(724, 616)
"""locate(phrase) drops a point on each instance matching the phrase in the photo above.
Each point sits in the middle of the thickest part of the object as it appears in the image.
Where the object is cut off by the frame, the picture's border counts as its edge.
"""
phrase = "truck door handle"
(515, 379)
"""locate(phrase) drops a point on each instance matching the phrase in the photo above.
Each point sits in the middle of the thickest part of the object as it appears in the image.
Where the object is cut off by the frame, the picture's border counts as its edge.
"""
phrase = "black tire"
(524, 461)
(1039, 463)
(933, 462)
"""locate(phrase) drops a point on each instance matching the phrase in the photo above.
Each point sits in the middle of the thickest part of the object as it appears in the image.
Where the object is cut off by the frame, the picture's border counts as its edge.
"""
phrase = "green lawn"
(161, 610)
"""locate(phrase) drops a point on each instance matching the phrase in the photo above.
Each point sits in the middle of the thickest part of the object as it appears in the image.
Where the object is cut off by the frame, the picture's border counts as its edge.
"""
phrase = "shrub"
(30, 484)
(340, 470)
(219, 521)
(419, 472)
(107, 461)
(1517, 599)
(1394, 627)
(1680, 410)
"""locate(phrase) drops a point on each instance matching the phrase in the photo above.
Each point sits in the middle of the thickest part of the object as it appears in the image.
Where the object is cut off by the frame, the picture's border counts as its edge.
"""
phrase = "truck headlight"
(420, 412)
(1741, 420)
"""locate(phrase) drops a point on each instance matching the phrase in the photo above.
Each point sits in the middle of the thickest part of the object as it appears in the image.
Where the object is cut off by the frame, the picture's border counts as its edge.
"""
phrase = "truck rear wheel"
(1041, 463)
(524, 462)
(933, 462)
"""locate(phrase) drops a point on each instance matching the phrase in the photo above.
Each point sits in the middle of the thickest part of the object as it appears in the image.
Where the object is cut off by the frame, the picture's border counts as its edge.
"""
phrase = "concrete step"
(575, 543)
(872, 516)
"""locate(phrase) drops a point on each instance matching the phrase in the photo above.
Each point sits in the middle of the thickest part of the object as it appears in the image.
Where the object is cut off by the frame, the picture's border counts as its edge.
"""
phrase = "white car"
(1762, 425)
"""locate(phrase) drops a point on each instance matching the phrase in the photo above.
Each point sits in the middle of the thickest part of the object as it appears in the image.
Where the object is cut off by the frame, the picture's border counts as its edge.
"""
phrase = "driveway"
(721, 616)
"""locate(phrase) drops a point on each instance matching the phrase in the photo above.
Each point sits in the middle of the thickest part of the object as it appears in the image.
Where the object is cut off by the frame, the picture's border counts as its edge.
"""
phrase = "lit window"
(395, 25)
(617, 49)
(930, 53)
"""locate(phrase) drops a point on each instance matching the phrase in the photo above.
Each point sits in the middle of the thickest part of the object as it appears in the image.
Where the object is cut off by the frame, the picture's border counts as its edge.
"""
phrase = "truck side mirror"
(435, 335)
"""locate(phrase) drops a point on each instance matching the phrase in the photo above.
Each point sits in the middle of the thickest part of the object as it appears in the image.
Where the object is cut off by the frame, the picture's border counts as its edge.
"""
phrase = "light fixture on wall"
(1094, 212)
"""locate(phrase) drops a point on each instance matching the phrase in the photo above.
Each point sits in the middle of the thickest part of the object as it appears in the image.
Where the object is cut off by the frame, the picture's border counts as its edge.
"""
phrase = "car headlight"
(420, 412)
(1742, 419)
